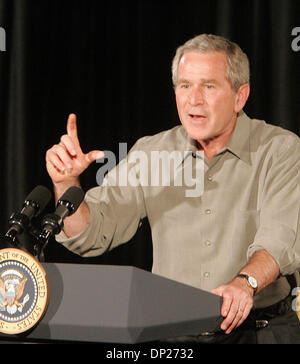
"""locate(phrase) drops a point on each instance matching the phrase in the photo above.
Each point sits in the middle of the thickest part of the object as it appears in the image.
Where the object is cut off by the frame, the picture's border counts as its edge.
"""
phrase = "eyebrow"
(203, 80)
(209, 80)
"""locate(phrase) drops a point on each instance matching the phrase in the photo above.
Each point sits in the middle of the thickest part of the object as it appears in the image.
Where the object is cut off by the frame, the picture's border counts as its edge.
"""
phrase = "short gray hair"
(238, 70)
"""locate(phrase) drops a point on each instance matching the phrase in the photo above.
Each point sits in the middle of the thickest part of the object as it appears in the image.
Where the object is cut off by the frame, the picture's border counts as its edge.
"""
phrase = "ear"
(242, 97)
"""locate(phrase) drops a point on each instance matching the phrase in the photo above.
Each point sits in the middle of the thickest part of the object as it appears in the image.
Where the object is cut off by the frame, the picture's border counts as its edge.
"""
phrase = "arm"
(65, 162)
(276, 245)
(275, 248)
(238, 295)
(110, 215)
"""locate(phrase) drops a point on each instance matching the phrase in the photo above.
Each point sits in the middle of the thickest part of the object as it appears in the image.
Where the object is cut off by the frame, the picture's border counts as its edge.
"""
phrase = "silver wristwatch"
(251, 281)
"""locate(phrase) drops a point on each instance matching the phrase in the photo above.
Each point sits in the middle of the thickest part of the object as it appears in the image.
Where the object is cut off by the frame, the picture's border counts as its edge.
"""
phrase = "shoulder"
(165, 140)
(264, 135)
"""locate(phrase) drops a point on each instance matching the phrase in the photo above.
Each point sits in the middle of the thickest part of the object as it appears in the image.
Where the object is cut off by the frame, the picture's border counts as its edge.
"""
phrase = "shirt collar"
(238, 144)
(188, 146)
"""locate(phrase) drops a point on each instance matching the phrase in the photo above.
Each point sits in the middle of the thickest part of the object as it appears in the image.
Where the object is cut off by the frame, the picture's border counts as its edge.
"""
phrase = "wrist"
(249, 281)
(61, 187)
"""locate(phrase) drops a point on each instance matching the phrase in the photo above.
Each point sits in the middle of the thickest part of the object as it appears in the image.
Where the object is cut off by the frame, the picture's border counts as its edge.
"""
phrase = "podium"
(121, 304)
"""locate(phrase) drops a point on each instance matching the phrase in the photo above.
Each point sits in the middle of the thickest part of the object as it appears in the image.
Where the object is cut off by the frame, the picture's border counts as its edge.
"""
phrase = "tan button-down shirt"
(249, 200)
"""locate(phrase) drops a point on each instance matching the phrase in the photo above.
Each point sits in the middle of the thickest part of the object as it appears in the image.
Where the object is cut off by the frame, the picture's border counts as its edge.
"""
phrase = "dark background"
(109, 62)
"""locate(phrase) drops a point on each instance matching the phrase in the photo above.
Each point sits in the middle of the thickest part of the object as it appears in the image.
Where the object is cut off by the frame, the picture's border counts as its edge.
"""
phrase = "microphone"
(69, 202)
(34, 203)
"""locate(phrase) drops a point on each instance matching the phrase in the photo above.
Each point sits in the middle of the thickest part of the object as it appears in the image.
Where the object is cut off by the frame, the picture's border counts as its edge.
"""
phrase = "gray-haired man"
(241, 236)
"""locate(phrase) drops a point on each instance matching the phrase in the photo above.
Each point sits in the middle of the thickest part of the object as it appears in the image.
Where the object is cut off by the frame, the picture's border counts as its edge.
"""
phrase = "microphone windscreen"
(39, 196)
(74, 195)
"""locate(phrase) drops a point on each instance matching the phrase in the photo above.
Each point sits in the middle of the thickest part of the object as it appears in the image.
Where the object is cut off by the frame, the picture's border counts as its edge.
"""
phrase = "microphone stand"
(38, 241)
(39, 245)
(51, 225)
(9, 242)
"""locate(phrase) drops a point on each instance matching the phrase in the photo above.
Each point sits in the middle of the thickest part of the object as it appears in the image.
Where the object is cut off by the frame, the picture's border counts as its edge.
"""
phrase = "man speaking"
(240, 238)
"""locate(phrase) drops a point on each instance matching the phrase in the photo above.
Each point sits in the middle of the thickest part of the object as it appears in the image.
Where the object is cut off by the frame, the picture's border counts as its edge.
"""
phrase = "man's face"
(206, 103)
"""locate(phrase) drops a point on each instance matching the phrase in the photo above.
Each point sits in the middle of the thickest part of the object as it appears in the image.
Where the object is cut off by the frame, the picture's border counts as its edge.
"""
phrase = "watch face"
(252, 281)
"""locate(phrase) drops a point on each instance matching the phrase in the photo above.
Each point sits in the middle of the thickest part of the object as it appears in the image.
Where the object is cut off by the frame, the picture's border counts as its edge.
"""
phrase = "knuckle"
(60, 149)
(227, 294)
(50, 152)
(63, 137)
(55, 147)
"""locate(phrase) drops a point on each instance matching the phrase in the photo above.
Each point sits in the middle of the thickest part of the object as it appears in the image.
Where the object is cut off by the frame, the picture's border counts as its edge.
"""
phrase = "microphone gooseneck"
(33, 205)
(52, 224)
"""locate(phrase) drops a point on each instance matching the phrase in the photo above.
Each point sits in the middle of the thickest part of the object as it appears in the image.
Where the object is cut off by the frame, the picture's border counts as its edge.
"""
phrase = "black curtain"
(109, 62)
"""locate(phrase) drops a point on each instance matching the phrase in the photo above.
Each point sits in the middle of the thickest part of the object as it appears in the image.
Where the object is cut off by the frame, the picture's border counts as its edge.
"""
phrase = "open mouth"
(197, 117)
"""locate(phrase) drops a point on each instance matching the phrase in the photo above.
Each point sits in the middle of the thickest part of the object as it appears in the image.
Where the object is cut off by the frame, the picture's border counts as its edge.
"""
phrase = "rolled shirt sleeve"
(115, 214)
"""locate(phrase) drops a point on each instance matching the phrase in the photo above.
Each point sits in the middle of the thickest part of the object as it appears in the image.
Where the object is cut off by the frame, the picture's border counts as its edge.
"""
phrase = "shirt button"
(210, 178)
(206, 275)
(208, 211)
(208, 243)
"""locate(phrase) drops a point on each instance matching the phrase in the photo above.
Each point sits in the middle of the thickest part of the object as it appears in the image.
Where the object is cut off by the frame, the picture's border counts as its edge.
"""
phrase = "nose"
(196, 97)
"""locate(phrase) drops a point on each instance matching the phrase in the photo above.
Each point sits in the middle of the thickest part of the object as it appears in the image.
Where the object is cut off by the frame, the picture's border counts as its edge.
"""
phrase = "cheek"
(180, 102)
(222, 104)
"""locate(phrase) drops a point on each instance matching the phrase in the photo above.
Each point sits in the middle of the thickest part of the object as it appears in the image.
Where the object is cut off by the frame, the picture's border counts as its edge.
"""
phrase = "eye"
(184, 85)
(209, 86)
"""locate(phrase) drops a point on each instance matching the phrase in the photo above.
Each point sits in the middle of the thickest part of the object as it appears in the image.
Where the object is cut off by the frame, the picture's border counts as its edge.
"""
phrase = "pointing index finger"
(72, 126)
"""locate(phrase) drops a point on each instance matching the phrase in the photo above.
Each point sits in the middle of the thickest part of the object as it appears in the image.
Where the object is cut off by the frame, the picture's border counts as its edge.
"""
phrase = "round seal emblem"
(24, 291)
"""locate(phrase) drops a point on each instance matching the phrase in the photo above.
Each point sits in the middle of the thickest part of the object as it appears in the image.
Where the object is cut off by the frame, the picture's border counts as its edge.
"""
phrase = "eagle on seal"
(11, 291)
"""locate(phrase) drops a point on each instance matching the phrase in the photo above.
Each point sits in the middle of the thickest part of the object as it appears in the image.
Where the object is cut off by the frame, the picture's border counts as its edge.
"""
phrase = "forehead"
(205, 65)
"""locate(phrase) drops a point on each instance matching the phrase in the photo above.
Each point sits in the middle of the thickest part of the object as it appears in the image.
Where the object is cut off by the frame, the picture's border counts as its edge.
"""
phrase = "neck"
(214, 145)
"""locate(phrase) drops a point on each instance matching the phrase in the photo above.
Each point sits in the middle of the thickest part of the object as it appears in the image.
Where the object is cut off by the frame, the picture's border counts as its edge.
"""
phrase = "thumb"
(226, 300)
(94, 155)
(219, 290)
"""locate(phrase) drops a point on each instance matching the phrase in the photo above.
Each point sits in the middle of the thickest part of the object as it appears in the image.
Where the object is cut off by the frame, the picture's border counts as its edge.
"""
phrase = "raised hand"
(66, 161)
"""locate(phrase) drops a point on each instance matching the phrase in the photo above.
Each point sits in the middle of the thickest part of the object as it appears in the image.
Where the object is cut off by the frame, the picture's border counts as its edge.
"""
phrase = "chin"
(197, 134)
